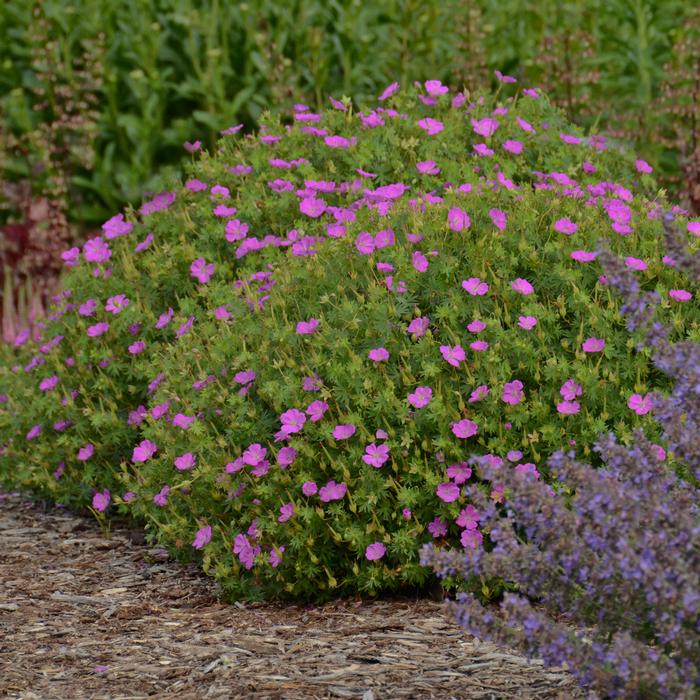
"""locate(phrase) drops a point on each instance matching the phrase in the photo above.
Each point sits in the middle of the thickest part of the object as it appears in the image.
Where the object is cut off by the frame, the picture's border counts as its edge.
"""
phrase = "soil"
(91, 614)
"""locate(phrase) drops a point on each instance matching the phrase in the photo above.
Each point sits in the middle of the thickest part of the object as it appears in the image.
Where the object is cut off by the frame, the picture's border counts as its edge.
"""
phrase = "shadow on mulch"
(85, 615)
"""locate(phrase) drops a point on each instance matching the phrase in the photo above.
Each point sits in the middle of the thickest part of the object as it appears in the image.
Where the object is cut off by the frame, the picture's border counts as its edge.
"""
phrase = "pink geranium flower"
(448, 492)
(527, 322)
(388, 92)
(437, 527)
(180, 420)
(97, 330)
(481, 392)
(479, 346)
(513, 392)
(376, 455)
(185, 461)
(513, 146)
(418, 326)
(468, 518)
(292, 421)
(431, 126)
(568, 408)
(428, 167)
(144, 451)
(343, 431)
(471, 539)
(116, 303)
(498, 218)
(332, 491)
(522, 286)
(420, 262)
(84, 453)
(316, 409)
(679, 295)
(475, 286)
(307, 327)
(642, 166)
(202, 537)
(458, 219)
(309, 488)
(453, 355)
(286, 457)
(286, 512)
(464, 428)
(566, 226)
(635, 263)
(435, 88)
(378, 354)
(583, 256)
(421, 397)
(202, 271)
(593, 344)
(476, 326)
(484, 127)
(101, 500)
(570, 390)
(375, 551)
(459, 473)
(312, 207)
(641, 405)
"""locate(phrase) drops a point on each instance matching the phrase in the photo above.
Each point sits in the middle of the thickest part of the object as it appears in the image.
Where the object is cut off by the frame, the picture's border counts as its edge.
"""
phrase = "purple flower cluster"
(617, 550)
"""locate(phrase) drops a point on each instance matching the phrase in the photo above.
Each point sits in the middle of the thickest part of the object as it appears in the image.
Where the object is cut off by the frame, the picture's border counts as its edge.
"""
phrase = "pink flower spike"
(375, 551)
(593, 344)
(464, 428)
(522, 286)
(641, 405)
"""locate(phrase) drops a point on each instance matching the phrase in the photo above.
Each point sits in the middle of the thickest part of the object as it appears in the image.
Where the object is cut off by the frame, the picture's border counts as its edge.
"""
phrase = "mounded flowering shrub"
(358, 300)
(616, 550)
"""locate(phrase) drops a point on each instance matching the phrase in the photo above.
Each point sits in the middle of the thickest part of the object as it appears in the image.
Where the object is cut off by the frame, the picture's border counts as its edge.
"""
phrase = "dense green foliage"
(177, 349)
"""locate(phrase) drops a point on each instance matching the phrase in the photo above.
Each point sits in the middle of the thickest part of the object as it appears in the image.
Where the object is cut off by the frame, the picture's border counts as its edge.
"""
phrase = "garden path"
(89, 614)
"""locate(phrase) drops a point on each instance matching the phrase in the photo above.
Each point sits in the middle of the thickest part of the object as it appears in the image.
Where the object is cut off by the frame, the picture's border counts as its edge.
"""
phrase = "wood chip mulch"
(89, 614)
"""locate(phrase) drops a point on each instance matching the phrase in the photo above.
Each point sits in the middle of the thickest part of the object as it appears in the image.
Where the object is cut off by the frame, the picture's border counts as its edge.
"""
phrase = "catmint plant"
(605, 563)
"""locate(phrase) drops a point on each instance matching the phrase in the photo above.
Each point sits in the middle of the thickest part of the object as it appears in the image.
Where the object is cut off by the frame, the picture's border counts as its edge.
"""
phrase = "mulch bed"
(88, 614)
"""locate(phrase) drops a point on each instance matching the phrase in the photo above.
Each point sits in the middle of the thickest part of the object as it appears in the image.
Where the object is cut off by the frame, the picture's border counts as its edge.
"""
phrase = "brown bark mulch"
(88, 614)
